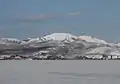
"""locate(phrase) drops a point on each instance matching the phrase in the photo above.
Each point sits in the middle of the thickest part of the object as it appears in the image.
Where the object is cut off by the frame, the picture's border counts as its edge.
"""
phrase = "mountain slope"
(92, 39)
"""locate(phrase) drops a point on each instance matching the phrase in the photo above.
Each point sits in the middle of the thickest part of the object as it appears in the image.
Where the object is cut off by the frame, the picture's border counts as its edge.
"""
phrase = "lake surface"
(60, 72)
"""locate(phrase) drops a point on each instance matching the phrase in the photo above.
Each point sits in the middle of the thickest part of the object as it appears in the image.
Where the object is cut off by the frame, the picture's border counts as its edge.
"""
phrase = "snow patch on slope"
(66, 37)
(60, 37)
(92, 39)
(100, 50)
(32, 40)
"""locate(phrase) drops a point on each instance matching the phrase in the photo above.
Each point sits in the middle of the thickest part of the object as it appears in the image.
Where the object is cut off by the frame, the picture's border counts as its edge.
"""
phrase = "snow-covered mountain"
(61, 37)
(10, 40)
(66, 37)
(75, 44)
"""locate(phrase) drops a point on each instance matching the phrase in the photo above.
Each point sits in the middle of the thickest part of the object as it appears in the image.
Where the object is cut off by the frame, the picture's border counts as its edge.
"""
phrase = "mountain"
(60, 43)
(61, 37)
(10, 41)
(65, 37)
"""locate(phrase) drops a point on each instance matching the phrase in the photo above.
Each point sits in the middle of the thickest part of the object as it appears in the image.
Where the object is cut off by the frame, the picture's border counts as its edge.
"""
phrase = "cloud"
(74, 13)
(44, 17)
(37, 18)
(41, 17)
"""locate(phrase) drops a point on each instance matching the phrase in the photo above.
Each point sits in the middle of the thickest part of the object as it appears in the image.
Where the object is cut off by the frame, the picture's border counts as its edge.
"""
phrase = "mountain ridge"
(59, 44)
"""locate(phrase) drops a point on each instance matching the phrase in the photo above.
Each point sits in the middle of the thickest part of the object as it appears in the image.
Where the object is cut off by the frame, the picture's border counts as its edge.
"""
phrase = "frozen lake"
(60, 72)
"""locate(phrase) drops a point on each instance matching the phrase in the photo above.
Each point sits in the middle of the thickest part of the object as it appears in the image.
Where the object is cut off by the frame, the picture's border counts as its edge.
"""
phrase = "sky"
(34, 18)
